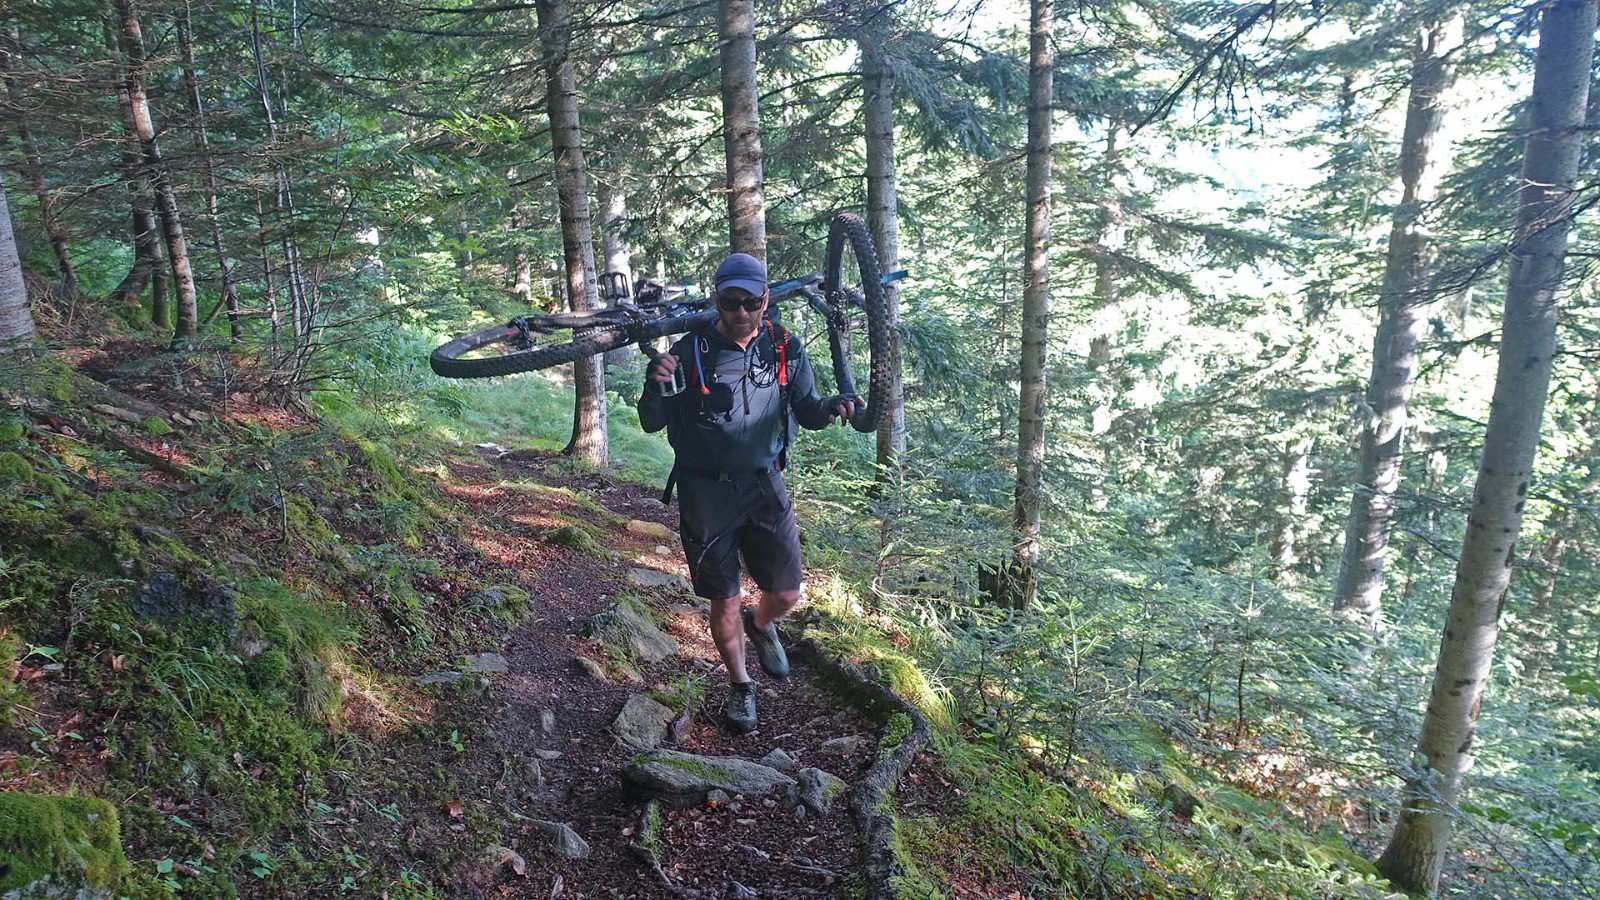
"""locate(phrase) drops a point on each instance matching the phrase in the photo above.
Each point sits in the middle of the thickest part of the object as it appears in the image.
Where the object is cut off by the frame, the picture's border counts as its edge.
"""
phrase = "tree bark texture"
(577, 231)
(160, 176)
(146, 268)
(1403, 303)
(883, 219)
(1035, 296)
(1294, 489)
(1415, 855)
(613, 202)
(33, 164)
(191, 84)
(741, 129)
(16, 321)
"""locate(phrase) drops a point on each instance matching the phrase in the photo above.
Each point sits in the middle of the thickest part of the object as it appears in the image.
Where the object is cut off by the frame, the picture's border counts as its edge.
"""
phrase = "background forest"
(1247, 530)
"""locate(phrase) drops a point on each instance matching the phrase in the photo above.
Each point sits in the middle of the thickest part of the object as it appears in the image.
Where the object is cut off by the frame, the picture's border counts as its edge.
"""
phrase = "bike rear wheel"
(508, 349)
(852, 284)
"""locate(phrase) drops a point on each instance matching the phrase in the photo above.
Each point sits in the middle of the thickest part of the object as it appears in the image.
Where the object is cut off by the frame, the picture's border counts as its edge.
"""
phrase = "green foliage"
(73, 839)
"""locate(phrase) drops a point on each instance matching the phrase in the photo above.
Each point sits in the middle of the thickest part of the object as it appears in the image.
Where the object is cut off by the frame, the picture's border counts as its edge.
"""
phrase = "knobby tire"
(446, 361)
(849, 230)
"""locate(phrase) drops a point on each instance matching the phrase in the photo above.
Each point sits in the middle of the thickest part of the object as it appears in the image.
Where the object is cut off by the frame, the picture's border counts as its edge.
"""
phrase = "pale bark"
(1294, 489)
(16, 321)
(191, 83)
(1403, 304)
(883, 219)
(1035, 299)
(577, 231)
(146, 269)
(188, 319)
(613, 202)
(1416, 851)
(34, 163)
(741, 129)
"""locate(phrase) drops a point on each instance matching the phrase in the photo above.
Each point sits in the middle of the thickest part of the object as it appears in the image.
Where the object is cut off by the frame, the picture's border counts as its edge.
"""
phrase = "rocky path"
(590, 683)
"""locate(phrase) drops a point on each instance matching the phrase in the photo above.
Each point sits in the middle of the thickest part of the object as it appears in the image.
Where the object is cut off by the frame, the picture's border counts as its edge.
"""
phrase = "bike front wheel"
(852, 285)
(546, 341)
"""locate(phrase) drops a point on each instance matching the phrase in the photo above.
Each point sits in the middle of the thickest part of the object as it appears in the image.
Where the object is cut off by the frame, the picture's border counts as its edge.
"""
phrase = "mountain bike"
(847, 296)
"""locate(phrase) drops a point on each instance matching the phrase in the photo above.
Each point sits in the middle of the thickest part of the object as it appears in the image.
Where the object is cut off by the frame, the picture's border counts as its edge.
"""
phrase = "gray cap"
(743, 271)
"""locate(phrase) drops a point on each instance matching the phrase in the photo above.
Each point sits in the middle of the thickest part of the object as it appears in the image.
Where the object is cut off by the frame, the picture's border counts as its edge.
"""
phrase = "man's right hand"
(662, 367)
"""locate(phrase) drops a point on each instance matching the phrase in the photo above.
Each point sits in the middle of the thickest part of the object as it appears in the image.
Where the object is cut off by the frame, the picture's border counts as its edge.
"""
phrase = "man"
(744, 379)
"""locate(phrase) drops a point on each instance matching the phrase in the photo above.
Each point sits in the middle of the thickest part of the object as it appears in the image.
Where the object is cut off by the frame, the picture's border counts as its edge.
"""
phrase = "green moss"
(574, 538)
(11, 432)
(894, 731)
(14, 469)
(73, 840)
(155, 425)
(268, 669)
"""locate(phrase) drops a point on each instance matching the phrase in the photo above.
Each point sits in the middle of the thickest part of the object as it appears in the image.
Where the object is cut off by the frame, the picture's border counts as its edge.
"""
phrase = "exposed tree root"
(873, 797)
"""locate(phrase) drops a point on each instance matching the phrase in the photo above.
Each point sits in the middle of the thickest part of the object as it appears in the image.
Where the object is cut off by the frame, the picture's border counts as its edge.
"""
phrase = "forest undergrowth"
(217, 601)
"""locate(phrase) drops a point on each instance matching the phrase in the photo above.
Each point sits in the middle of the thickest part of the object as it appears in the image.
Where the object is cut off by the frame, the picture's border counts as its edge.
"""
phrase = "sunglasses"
(750, 304)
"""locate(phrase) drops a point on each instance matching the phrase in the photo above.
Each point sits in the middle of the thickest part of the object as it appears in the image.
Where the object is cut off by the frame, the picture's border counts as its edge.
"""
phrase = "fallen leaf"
(455, 808)
(118, 660)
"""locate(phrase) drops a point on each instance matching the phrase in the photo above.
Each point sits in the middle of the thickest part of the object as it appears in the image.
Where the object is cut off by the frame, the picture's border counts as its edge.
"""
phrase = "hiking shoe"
(739, 713)
(768, 650)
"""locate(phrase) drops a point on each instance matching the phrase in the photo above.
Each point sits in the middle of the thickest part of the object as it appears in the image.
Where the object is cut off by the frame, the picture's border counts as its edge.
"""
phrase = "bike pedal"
(674, 387)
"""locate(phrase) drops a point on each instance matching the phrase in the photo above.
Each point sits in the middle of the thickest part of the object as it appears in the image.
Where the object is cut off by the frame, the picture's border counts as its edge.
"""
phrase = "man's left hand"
(843, 408)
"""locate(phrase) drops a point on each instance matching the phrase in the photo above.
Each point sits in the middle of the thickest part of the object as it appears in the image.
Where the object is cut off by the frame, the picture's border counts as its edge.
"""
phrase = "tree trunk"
(883, 219)
(191, 83)
(1035, 298)
(613, 221)
(577, 231)
(741, 129)
(146, 256)
(1556, 136)
(187, 326)
(1113, 234)
(16, 322)
(1294, 487)
(1403, 305)
(33, 163)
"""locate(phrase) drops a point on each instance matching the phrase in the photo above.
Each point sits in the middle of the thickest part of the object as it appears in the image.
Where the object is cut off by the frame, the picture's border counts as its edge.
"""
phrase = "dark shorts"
(720, 518)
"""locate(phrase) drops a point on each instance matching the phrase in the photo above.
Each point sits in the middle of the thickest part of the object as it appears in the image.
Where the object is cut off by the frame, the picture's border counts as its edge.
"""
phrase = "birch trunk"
(883, 219)
(34, 164)
(1416, 851)
(1035, 301)
(146, 258)
(613, 221)
(577, 231)
(191, 83)
(1403, 303)
(187, 325)
(741, 129)
(16, 321)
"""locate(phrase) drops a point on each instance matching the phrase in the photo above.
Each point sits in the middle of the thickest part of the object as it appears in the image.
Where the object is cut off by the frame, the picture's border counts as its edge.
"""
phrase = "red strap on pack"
(783, 353)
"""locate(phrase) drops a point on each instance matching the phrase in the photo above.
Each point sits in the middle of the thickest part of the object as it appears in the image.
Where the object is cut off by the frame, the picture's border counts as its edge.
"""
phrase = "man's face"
(741, 319)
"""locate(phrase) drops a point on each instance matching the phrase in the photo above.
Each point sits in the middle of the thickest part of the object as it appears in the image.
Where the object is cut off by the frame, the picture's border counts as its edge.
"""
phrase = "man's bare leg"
(773, 606)
(727, 632)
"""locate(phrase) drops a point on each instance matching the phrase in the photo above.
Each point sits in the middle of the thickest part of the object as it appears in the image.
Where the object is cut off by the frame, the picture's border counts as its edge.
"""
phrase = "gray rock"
(718, 797)
(547, 721)
(495, 856)
(650, 578)
(187, 596)
(624, 626)
(779, 759)
(534, 770)
(652, 529)
(547, 754)
(486, 664)
(685, 779)
(848, 744)
(643, 723)
(567, 842)
(439, 678)
(592, 668)
(737, 891)
(816, 790)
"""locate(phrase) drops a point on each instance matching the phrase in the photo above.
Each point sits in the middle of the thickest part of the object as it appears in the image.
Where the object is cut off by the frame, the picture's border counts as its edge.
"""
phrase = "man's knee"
(726, 609)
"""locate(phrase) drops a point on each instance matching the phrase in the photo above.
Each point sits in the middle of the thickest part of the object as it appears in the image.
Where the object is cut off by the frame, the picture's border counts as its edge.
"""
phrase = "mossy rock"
(574, 538)
(155, 425)
(11, 432)
(59, 847)
(14, 469)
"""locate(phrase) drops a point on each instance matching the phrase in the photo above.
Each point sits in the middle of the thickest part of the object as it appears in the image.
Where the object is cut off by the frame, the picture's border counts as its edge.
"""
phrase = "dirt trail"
(547, 702)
